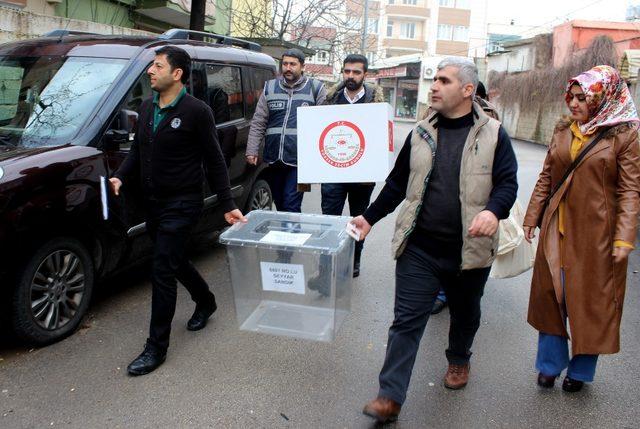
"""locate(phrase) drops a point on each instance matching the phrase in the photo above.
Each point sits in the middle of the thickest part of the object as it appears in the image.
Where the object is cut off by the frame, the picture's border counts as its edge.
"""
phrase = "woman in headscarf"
(587, 229)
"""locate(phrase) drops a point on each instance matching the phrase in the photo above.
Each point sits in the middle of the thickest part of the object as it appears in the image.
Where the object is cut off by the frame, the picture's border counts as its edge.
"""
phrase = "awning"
(630, 64)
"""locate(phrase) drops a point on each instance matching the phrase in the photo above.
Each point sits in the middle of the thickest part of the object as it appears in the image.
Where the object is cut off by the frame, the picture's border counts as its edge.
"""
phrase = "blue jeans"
(283, 181)
(334, 195)
(553, 355)
(553, 358)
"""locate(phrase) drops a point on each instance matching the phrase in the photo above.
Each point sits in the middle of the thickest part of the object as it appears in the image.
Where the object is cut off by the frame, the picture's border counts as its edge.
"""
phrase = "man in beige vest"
(456, 177)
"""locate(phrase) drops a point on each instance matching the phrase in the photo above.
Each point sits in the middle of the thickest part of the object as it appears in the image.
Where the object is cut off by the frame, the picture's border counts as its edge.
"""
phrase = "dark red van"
(67, 108)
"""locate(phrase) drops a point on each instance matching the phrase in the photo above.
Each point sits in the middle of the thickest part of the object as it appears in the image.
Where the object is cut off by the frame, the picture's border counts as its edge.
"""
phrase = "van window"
(258, 78)
(224, 93)
(55, 96)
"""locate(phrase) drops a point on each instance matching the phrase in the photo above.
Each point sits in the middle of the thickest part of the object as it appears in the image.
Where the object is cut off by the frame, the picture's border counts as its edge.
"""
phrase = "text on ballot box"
(345, 143)
(291, 273)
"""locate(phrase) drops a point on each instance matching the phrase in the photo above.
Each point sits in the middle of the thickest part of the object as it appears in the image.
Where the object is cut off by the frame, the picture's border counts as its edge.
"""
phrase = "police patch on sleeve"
(175, 123)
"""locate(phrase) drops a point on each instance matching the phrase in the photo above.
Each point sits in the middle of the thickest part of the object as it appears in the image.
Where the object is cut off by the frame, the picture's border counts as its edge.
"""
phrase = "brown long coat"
(602, 201)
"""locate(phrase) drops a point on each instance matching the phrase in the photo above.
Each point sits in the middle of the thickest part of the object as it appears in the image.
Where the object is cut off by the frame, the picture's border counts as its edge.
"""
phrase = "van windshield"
(44, 101)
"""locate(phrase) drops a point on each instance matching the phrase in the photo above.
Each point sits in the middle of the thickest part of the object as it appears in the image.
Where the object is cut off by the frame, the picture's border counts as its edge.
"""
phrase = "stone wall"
(535, 125)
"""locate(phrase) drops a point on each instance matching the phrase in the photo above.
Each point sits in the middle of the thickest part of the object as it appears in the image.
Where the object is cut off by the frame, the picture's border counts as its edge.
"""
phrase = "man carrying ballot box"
(456, 174)
(352, 90)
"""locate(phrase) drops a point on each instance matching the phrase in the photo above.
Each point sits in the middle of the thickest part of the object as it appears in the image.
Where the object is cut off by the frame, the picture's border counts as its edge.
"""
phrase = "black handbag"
(572, 167)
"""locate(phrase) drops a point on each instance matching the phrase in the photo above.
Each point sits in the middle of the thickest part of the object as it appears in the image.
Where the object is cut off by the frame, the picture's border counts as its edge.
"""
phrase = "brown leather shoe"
(457, 376)
(384, 410)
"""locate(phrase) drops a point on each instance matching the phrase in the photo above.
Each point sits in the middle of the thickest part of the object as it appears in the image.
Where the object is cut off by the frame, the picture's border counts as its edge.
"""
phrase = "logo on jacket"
(175, 123)
(342, 144)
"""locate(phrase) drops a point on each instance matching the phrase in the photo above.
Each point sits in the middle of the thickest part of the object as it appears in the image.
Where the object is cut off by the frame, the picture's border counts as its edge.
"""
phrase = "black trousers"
(169, 224)
(334, 195)
(420, 274)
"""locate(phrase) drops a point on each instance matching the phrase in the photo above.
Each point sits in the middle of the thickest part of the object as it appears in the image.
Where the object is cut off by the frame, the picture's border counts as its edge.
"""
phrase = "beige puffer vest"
(475, 185)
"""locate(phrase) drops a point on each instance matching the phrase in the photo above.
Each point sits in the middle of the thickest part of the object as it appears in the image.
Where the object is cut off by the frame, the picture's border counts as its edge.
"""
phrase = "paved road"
(222, 377)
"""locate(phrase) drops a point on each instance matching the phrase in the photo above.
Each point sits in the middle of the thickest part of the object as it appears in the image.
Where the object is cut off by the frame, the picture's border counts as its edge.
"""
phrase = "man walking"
(176, 137)
(352, 90)
(275, 122)
(457, 175)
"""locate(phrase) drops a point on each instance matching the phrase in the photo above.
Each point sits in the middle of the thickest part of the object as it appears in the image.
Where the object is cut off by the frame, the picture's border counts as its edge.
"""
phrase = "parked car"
(67, 110)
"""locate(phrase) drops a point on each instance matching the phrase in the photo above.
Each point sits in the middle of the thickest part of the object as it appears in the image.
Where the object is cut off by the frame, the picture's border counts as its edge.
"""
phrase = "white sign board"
(287, 278)
(345, 143)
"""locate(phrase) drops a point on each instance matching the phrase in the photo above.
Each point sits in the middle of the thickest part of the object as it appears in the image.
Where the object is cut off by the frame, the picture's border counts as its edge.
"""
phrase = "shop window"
(407, 99)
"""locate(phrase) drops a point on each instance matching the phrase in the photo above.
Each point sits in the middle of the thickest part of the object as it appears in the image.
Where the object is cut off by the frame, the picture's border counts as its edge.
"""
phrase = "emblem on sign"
(175, 123)
(341, 144)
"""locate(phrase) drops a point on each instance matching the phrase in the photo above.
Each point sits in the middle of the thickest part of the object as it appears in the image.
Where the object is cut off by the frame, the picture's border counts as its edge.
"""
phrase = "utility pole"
(363, 45)
(196, 21)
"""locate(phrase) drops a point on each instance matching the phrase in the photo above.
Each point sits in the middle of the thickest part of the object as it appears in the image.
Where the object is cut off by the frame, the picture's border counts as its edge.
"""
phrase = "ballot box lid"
(289, 231)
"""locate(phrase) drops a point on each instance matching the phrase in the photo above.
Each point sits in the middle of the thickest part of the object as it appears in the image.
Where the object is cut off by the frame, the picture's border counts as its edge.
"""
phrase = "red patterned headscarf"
(608, 98)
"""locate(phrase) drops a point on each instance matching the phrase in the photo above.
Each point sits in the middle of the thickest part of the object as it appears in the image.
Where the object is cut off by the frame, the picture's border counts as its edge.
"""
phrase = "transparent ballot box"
(291, 273)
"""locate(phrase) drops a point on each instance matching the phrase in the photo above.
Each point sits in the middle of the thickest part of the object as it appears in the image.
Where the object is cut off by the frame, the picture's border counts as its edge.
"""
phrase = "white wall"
(478, 26)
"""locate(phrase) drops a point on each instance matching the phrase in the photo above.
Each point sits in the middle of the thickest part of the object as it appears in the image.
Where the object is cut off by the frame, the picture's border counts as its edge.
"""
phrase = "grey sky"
(548, 13)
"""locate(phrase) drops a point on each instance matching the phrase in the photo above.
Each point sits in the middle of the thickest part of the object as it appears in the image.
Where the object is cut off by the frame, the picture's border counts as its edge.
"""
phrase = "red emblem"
(341, 144)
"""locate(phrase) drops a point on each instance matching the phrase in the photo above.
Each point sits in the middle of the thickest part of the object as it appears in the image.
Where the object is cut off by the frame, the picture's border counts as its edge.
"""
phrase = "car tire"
(53, 292)
(260, 197)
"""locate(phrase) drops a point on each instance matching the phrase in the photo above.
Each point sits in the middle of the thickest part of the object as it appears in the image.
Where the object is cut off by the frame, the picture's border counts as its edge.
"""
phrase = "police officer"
(275, 121)
(176, 136)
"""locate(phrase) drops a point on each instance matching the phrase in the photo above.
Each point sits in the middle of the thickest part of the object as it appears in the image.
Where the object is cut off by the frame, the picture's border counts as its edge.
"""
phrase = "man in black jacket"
(175, 139)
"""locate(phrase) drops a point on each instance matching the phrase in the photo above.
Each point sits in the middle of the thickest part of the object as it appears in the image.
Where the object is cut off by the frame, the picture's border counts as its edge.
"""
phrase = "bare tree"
(334, 26)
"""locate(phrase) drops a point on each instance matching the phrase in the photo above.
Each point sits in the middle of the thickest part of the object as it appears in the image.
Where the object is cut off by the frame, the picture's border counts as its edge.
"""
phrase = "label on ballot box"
(345, 143)
(287, 278)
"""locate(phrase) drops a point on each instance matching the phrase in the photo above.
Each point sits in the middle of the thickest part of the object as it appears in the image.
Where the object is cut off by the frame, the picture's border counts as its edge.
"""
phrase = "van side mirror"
(113, 139)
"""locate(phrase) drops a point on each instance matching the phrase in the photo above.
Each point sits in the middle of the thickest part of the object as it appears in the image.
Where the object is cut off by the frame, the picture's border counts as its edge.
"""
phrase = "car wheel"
(260, 197)
(53, 292)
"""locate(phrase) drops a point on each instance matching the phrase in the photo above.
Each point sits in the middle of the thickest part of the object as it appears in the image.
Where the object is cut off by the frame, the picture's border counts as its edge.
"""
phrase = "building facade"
(105, 16)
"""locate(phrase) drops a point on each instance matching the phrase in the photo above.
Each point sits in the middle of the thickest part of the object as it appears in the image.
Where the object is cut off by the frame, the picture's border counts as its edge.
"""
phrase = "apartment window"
(463, 4)
(391, 1)
(321, 57)
(408, 30)
(372, 28)
(461, 33)
(370, 57)
(447, 3)
(445, 32)
(412, 2)
(389, 28)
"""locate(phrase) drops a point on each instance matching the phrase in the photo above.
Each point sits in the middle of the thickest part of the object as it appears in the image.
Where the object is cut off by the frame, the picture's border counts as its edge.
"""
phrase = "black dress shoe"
(356, 269)
(201, 316)
(438, 306)
(571, 385)
(546, 381)
(148, 361)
